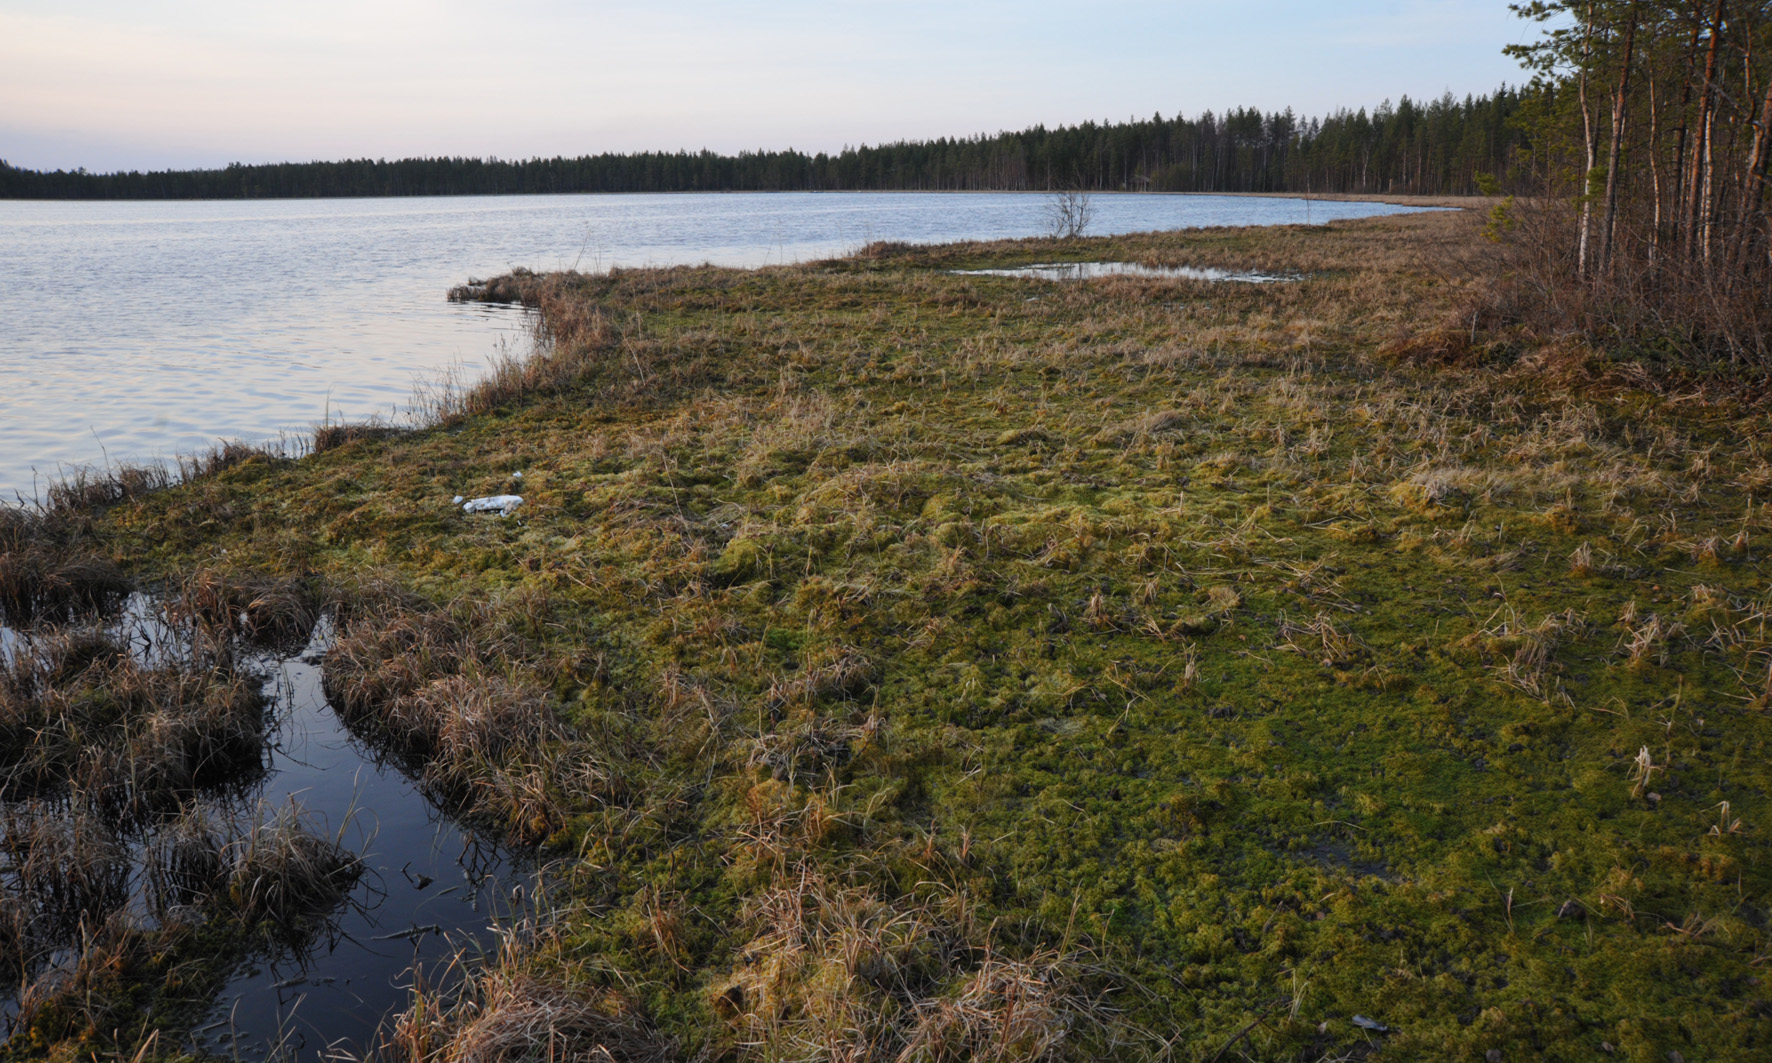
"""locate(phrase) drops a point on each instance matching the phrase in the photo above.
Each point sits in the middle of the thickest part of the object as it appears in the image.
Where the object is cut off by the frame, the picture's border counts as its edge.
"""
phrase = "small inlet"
(1082, 271)
(210, 798)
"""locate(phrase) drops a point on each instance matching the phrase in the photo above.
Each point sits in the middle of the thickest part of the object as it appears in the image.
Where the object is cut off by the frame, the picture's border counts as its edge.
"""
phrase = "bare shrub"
(1068, 213)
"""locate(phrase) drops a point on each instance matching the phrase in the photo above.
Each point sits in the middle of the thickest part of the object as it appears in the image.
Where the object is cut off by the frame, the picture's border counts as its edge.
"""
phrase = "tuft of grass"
(438, 691)
(44, 572)
(505, 1010)
(281, 876)
(80, 713)
(333, 436)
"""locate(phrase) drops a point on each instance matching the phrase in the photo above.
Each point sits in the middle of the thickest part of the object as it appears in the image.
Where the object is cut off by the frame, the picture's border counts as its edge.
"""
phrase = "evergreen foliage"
(1652, 125)
(1436, 147)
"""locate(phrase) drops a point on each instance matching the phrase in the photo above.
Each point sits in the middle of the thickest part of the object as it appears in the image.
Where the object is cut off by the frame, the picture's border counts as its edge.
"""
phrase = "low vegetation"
(907, 666)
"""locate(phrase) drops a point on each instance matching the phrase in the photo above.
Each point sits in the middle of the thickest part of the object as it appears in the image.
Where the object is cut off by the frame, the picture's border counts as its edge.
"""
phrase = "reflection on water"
(143, 330)
(1082, 271)
(427, 887)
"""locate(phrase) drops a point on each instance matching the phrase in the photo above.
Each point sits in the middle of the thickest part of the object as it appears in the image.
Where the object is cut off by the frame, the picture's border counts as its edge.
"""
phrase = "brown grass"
(258, 609)
(80, 713)
(45, 573)
(445, 693)
(333, 436)
(506, 1012)
(283, 875)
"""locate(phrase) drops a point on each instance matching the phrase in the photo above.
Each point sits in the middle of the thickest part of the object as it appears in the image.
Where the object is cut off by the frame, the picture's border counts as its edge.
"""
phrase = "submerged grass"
(909, 666)
(134, 870)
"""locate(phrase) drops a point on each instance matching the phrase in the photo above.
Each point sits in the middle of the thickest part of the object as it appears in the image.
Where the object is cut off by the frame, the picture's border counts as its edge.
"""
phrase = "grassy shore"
(906, 665)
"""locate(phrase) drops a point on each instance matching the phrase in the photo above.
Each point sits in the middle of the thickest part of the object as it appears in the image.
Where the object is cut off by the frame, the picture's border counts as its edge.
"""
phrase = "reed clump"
(81, 713)
(88, 489)
(281, 876)
(253, 608)
(85, 962)
(445, 693)
(46, 572)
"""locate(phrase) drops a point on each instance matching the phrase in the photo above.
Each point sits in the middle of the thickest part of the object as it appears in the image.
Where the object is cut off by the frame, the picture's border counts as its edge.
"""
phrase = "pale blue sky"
(151, 83)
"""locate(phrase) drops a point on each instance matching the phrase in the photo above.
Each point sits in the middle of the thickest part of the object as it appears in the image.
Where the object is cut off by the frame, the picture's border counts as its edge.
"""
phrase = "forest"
(1437, 147)
(1651, 233)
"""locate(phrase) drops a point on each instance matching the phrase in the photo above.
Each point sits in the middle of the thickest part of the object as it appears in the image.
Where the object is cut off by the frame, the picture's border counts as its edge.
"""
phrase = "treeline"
(1437, 147)
(1655, 124)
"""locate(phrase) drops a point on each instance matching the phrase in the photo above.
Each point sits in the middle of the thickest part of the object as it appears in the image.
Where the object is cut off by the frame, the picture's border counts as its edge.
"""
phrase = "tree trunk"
(1620, 100)
(1677, 203)
(1699, 213)
(1587, 141)
(1654, 173)
(1754, 195)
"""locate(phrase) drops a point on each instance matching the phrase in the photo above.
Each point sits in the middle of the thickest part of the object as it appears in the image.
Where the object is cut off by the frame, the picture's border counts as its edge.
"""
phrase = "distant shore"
(1459, 202)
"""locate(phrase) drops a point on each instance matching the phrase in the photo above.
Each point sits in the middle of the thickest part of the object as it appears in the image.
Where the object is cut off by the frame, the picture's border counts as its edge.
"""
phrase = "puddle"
(1341, 856)
(428, 888)
(1082, 271)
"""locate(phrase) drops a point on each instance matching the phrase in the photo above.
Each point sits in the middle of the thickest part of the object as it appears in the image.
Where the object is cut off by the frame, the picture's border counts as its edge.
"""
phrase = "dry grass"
(79, 712)
(282, 876)
(333, 436)
(256, 609)
(446, 693)
(837, 973)
(44, 573)
(505, 1012)
(81, 955)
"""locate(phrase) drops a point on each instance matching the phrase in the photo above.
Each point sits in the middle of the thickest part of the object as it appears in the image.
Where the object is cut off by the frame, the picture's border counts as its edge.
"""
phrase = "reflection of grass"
(215, 896)
(882, 647)
(133, 872)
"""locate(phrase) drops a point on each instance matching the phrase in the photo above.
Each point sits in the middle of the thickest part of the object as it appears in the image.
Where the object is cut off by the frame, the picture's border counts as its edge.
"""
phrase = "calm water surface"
(137, 331)
(430, 886)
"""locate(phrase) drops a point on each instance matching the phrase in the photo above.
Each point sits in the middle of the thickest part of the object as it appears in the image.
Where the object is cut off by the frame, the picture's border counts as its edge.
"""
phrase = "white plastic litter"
(516, 476)
(503, 505)
(459, 500)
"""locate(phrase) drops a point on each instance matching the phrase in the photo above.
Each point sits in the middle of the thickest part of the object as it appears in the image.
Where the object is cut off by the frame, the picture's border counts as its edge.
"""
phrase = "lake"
(143, 330)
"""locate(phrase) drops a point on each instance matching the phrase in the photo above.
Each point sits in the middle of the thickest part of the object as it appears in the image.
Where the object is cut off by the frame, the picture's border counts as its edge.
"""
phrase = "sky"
(149, 84)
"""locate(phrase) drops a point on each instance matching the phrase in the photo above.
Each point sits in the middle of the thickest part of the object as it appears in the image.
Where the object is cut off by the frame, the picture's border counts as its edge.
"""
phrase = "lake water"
(140, 331)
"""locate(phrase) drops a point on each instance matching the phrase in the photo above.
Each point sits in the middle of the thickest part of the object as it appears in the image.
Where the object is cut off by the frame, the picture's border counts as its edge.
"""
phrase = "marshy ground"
(908, 665)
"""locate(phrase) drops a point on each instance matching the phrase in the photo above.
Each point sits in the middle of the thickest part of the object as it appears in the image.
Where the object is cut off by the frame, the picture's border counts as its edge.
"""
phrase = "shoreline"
(1462, 202)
